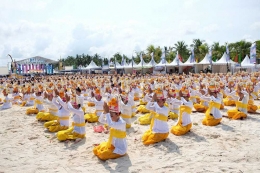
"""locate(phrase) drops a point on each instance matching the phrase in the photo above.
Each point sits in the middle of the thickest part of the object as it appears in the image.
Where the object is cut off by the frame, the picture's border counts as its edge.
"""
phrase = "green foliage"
(201, 48)
(258, 48)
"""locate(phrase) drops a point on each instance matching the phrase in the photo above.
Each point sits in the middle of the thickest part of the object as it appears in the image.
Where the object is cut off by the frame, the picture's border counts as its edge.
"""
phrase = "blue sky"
(60, 28)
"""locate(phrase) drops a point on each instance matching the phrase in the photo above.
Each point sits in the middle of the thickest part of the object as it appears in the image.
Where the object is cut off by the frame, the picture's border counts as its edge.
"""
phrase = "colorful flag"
(253, 53)
(239, 58)
(163, 60)
(228, 56)
(210, 55)
(177, 58)
(153, 62)
(180, 58)
(192, 58)
(236, 58)
(142, 61)
(122, 62)
(132, 61)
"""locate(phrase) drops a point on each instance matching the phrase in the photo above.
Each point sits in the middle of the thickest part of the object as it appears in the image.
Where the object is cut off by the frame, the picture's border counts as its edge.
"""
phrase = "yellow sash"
(203, 102)
(239, 104)
(158, 117)
(31, 98)
(255, 93)
(125, 116)
(184, 108)
(53, 109)
(229, 97)
(17, 97)
(78, 124)
(114, 133)
(193, 97)
(85, 95)
(64, 118)
(212, 105)
(37, 102)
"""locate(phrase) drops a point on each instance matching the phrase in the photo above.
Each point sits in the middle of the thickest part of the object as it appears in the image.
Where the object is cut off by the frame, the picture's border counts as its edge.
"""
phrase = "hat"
(159, 93)
(124, 95)
(213, 86)
(184, 89)
(15, 89)
(97, 92)
(172, 92)
(249, 85)
(113, 105)
(62, 93)
(6, 90)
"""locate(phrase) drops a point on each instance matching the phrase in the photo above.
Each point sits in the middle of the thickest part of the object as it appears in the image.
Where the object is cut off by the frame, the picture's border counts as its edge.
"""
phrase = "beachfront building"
(37, 64)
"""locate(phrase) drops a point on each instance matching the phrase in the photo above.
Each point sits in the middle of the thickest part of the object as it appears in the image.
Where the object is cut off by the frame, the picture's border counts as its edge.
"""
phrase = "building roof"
(37, 60)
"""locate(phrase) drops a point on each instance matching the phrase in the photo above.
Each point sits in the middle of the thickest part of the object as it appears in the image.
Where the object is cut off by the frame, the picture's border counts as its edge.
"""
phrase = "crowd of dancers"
(67, 103)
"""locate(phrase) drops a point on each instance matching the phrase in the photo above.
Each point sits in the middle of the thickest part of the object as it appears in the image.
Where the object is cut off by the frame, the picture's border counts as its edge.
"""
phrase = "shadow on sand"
(195, 137)
(123, 164)
(170, 145)
(225, 127)
(74, 144)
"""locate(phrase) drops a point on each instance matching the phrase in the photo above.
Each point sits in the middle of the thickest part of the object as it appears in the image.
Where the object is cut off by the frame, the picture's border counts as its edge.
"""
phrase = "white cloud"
(255, 26)
(248, 37)
(188, 27)
(24, 5)
(211, 28)
(190, 3)
(34, 28)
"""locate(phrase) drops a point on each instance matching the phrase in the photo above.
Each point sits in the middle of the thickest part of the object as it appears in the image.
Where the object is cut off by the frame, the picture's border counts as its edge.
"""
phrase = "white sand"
(232, 146)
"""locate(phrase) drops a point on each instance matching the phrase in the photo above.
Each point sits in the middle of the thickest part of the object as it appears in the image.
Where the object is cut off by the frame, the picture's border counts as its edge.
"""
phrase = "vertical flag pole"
(142, 61)
(165, 48)
(132, 63)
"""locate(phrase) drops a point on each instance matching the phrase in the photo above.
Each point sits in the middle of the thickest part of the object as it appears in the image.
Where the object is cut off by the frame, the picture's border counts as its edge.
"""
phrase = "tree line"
(237, 51)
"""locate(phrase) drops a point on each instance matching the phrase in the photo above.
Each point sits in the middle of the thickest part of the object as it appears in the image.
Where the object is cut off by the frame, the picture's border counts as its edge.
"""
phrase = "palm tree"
(150, 49)
(182, 49)
(258, 48)
(157, 54)
(118, 57)
(217, 50)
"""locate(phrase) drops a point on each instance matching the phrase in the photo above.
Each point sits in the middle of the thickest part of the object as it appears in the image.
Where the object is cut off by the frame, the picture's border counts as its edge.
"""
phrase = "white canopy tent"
(152, 63)
(246, 63)
(118, 66)
(174, 62)
(221, 66)
(128, 68)
(188, 63)
(92, 65)
(129, 65)
(202, 64)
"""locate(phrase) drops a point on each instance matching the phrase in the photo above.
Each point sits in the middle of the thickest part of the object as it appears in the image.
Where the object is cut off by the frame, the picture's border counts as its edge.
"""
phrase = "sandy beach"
(232, 146)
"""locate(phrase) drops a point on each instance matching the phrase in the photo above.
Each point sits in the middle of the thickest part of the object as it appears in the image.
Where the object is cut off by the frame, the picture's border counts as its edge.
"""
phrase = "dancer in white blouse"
(159, 129)
(77, 130)
(184, 123)
(116, 146)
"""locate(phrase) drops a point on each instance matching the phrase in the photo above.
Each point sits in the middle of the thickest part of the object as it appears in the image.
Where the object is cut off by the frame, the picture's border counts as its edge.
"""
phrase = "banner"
(227, 52)
(192, 58)
(177, 58)
(210, 56)
(153, 62)
(253, 53)
(163, 60)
